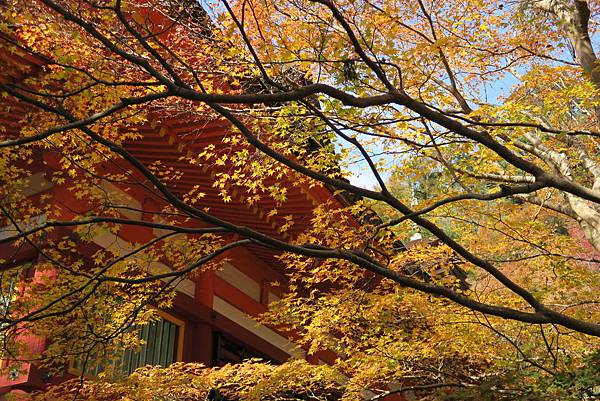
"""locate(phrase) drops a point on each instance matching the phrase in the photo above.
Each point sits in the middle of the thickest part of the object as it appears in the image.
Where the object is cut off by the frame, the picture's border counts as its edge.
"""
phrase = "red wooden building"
(211, 318)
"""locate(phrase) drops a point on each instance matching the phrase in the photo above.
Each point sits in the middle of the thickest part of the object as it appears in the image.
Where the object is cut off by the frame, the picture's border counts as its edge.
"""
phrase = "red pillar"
(200, 344)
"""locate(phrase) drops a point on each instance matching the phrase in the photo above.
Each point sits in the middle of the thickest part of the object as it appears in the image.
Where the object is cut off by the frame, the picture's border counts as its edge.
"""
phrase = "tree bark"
(574, 17)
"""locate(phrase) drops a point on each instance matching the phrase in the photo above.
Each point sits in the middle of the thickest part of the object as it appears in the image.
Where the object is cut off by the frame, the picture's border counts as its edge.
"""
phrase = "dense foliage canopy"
(472, 122)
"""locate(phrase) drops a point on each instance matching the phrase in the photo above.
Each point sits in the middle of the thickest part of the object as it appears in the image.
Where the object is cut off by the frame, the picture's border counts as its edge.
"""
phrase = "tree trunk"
(575, 19)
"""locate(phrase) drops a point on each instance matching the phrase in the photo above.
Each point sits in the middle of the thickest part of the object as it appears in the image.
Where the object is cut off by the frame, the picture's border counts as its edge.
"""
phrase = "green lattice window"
(162, 345)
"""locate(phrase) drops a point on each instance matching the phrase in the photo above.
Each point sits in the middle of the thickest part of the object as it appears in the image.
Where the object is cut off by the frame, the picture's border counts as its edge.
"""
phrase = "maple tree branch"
(441, 159)
(77, 123)
(113, 220)
(537, 126)
(541, 315)
(393, 96)
(350, 256)
(514, 344)
(38, 314)
(422, 387)
(504, 192)
(453, 89)
(374, 66)
(352, 140)
(144, 42)
(99, 278)
(135, 59)
(248, 44)
(549, 347)
(178, 273)
(35, 246)
(542, 312)
(308, 105)
(556, 207)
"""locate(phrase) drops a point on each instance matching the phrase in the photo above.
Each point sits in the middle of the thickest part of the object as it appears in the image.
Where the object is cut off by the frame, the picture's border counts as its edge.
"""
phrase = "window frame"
(71, 369)
(180, 331)
(220, 336)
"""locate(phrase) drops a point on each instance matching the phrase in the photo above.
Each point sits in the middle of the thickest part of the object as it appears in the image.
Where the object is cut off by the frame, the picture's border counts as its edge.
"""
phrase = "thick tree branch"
(541, 314)
(111, 220)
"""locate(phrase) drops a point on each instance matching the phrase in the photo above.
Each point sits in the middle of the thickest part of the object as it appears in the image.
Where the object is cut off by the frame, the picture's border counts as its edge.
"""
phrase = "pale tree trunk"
(585, 213)
(589, 216)
(574, 16)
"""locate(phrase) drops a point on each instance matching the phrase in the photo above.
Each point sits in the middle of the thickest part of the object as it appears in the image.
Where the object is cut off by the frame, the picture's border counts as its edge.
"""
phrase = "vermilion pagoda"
(210, 321)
